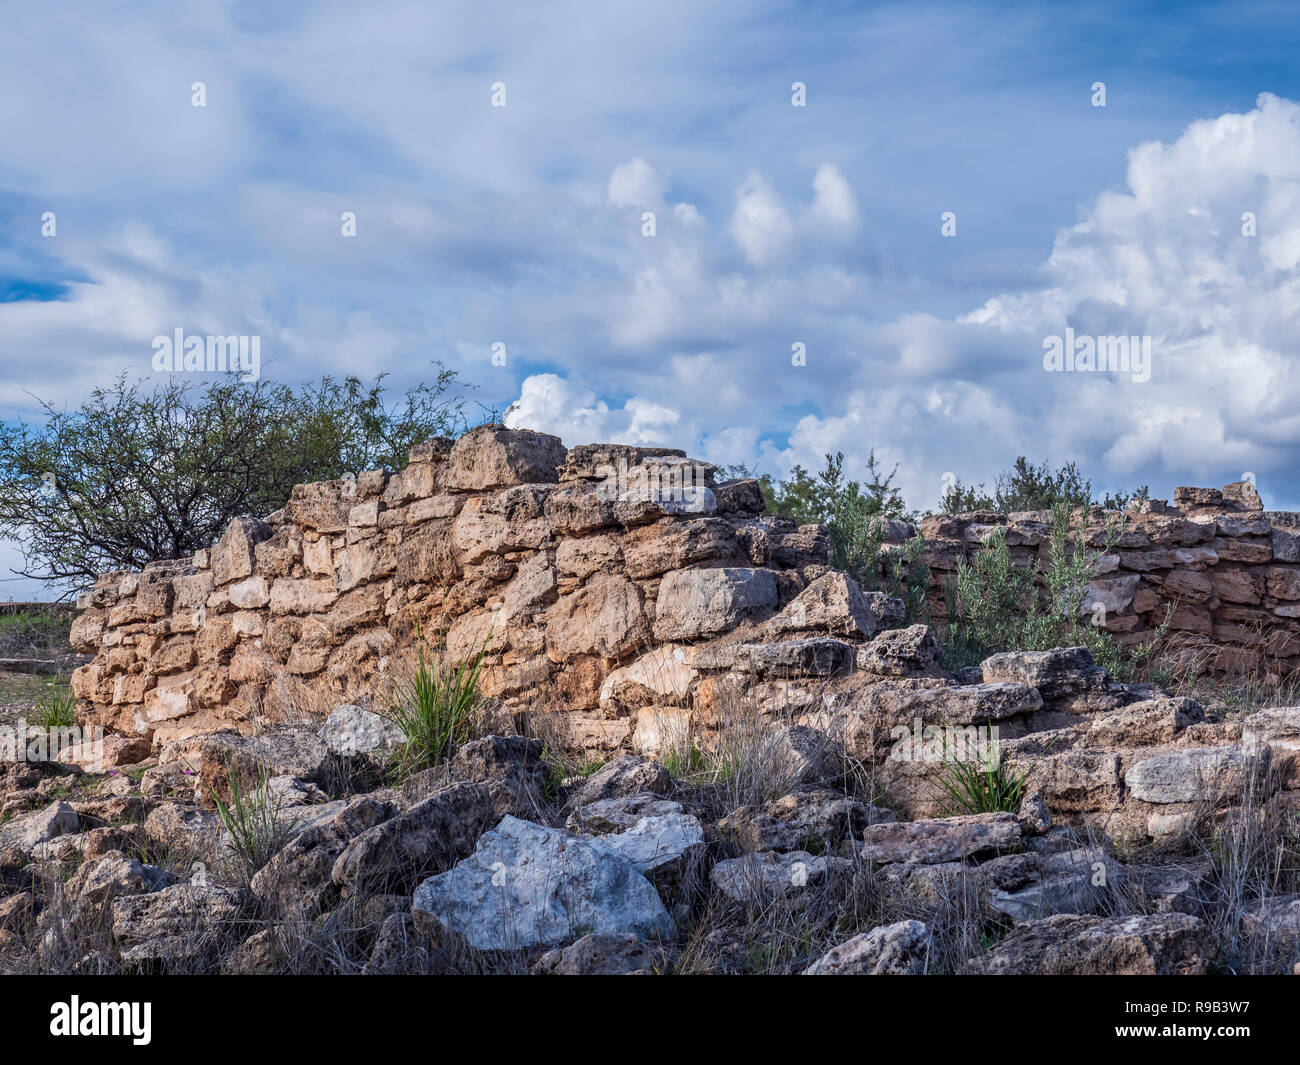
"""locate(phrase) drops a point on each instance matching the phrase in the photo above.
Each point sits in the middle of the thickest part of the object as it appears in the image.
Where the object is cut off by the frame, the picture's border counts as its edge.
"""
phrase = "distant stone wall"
(1221, 569)
(595, 579)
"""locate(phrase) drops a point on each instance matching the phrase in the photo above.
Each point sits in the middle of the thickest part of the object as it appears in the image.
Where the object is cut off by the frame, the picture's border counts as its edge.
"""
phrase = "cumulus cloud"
(1167, 256)
(760, 223)
(550, 404)
(1172, 258)
(833, 206)
(637, 184)
(766, 228)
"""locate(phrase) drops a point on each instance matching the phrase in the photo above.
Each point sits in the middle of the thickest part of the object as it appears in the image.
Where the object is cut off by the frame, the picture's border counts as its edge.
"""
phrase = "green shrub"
(975, 787)
(56, 708)
(438, 709)
(1030, 487)
(996, 604)
(906, 576)
(987, 604)
(854, 514)
(156, 469)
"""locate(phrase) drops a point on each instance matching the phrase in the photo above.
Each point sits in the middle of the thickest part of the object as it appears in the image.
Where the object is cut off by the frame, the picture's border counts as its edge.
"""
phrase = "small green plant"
(998, 603)
(252, 821)
(587, 767)
(975, 787)
(1030, 487)
(907, 577)
(56, 708)
(855, 514)
(686, 760)
(562, 765)
(438, 709)
(988, 602)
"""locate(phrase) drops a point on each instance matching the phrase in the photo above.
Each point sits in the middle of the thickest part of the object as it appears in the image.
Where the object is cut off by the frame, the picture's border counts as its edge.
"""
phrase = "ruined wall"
(1221, 569)
(566, 566)
(619, 585)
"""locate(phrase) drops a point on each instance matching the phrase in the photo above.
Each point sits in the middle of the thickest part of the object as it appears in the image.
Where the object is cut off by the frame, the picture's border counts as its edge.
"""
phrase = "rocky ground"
(1154, 835)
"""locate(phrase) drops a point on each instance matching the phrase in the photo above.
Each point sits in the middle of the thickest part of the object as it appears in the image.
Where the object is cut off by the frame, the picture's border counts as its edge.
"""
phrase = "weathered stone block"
(232, 555)
(605, 617)
(495, 457)
(697, 603)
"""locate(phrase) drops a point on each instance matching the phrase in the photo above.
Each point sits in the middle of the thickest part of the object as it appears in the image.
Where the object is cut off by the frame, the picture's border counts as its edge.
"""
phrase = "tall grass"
(1191, 664)
(252, 821)
(974, 787)
(438, 708)
(35, 633)
(56, 708)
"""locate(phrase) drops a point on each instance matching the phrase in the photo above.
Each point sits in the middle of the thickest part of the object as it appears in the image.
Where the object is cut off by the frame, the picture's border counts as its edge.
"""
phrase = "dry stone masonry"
(622, 588)
(625, 596)
(603, 581)
(1215, 568)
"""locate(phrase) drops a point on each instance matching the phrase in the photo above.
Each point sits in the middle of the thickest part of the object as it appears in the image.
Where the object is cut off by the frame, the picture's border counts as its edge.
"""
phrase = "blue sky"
(775, 224)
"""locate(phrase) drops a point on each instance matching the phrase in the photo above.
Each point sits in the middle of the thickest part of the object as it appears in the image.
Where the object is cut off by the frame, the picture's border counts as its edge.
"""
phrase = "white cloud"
(687, 215)
(550, 404)
(1165, 257)
(760, 223)
(833, 206)
(765, 227)
(637, 184)
(514, 224)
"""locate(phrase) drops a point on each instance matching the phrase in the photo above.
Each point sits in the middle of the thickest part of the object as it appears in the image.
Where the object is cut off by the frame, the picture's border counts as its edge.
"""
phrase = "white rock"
(26, 833)
(901, 949)
(1189, 775)
(766, 875)
(250, 594)
(658, 842)
(352, 730)
(530, 886)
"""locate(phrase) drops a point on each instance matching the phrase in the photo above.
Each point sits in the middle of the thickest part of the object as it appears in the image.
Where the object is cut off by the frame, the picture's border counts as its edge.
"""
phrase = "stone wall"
(600, 581)
(1223, 572)
(621, 586)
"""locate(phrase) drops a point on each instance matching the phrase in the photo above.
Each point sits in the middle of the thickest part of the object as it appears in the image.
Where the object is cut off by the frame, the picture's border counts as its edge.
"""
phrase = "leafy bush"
(904, 574)
(829, 498)
(438, 709)
(997, 605)
(854, 514)
(1029, 487)
(987, 604)
(133, 476)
